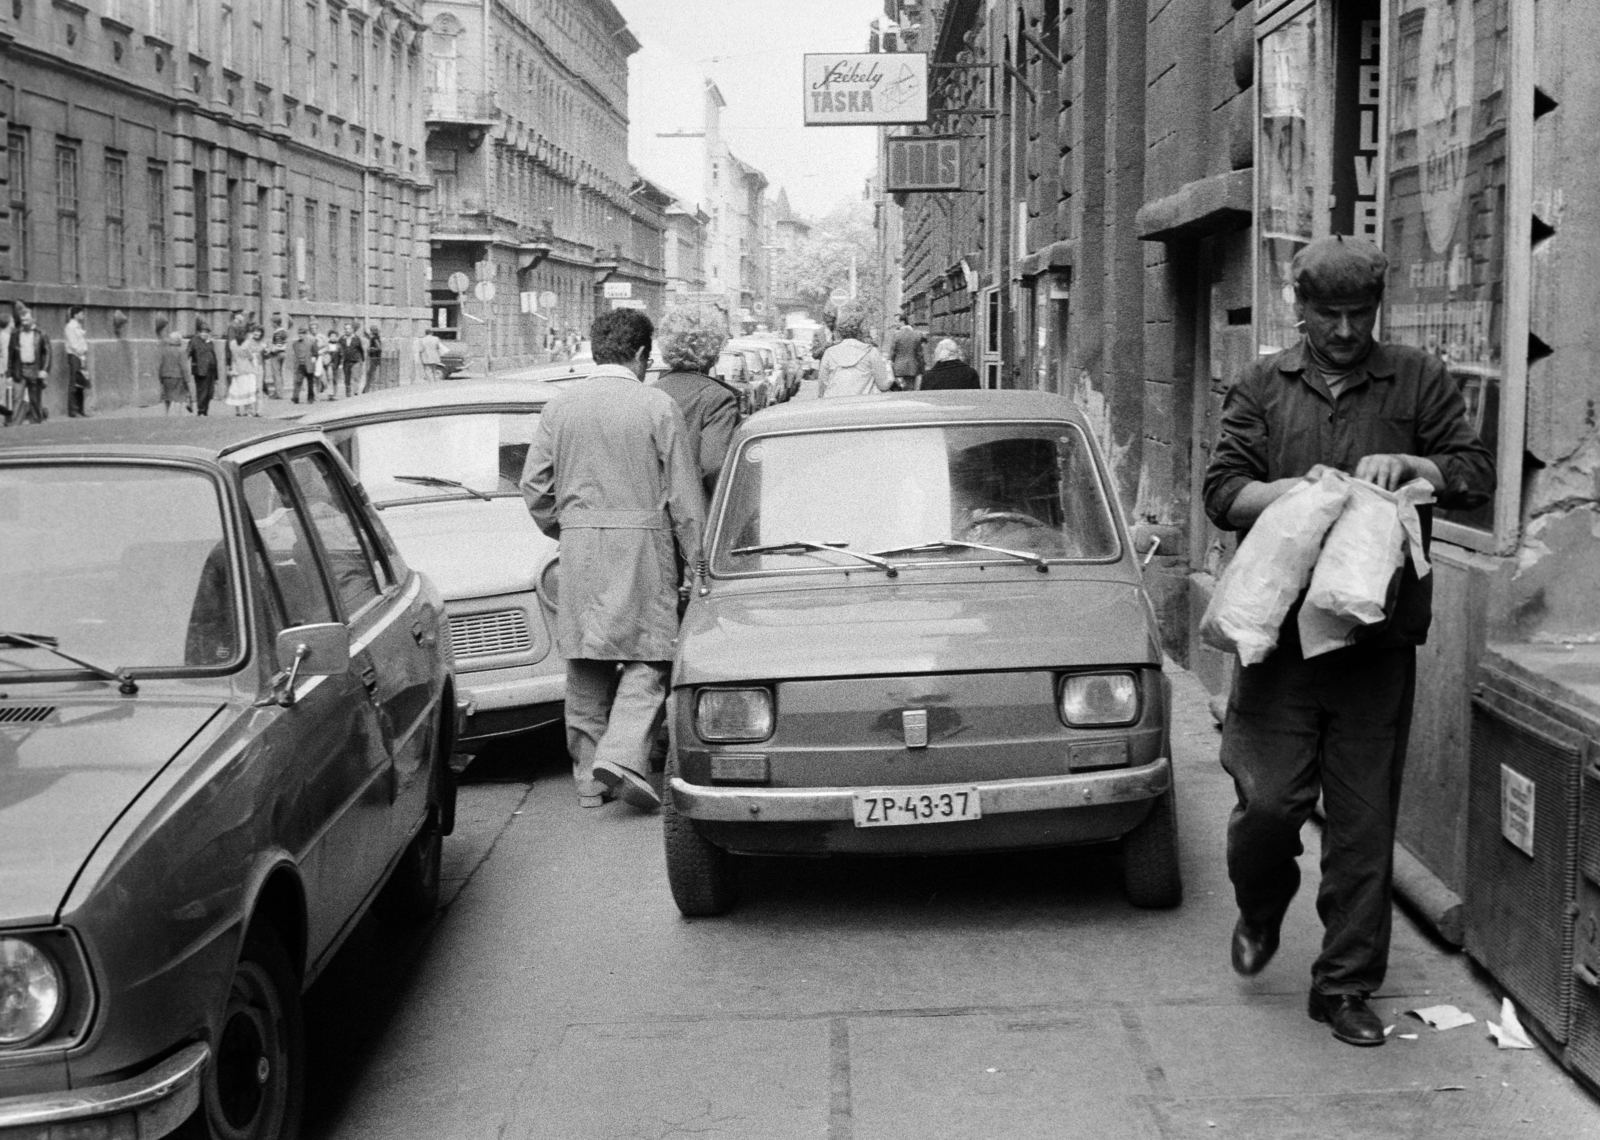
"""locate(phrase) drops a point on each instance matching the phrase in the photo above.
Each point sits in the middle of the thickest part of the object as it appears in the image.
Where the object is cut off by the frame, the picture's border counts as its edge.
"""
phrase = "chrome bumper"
(996, 797)
(149, 1105)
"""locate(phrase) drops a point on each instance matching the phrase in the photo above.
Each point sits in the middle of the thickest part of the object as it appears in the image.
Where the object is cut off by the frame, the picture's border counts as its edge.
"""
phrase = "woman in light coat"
(852, 367)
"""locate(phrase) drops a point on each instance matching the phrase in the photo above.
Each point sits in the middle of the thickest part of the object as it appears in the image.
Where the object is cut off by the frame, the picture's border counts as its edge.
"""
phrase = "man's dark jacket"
(1279, 420)
(41, 358)
(711, 411)
(202, 356)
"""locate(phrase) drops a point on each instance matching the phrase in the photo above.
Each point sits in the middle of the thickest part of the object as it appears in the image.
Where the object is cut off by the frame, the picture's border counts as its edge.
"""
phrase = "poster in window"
(1446, 208)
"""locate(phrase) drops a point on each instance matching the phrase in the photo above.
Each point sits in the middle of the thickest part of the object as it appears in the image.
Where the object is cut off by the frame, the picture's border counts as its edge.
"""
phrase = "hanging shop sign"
(1358, 92)
(865, 90)
(923, 164)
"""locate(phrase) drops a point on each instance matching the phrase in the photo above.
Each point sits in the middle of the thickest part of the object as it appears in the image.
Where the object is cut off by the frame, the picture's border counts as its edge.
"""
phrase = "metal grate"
(1519, 916)
(25, 714)
(486, 635)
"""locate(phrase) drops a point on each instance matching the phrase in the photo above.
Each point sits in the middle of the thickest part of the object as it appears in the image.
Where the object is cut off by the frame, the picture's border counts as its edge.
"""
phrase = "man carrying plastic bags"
(1337, 722)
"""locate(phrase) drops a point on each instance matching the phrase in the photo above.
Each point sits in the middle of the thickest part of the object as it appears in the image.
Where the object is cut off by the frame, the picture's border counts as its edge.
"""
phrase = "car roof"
(885, 410)
(190, 437)
(439, 394)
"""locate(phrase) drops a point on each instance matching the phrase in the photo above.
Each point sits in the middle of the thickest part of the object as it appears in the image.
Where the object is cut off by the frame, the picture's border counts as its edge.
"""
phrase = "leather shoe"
(1350, 1016)
(1253, 948)
(628, 785)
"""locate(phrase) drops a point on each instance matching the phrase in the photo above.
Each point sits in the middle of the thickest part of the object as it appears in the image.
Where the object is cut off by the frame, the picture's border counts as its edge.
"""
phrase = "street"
(559, 994)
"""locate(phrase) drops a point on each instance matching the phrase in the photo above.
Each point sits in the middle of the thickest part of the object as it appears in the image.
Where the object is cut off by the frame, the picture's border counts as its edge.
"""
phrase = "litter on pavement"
(1442, 1016)
(1509, 1034)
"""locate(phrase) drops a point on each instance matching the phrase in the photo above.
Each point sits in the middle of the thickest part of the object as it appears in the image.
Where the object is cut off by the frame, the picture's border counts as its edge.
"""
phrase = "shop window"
(1445, 223)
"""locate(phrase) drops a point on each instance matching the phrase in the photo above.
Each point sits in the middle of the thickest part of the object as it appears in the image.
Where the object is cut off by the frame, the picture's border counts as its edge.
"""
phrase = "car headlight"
(31, 992)
(742, 715)
(550, 582)
(1090, 700)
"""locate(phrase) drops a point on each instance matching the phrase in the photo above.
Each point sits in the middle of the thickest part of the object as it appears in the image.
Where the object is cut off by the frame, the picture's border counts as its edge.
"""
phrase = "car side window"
(291, 561)
(343, 536)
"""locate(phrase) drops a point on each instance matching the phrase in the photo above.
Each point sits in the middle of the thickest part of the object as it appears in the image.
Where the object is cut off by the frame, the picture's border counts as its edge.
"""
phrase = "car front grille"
(486, 635)
(26, 714)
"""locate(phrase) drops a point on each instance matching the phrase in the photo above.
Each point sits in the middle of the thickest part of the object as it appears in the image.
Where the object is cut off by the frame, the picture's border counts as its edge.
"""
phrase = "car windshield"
(919, 492)
(123, 565)
(448, 455)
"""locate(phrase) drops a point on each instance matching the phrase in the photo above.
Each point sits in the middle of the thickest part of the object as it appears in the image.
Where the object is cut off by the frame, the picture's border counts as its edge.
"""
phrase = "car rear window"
(406, 460)
(1031, 487)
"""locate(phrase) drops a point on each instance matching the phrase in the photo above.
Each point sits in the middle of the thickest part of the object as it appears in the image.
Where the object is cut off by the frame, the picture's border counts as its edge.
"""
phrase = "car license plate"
(892, 807)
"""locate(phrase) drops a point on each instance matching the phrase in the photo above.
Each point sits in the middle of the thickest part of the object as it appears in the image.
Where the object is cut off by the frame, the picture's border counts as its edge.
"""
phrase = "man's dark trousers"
(205, 387)
(1337, 723)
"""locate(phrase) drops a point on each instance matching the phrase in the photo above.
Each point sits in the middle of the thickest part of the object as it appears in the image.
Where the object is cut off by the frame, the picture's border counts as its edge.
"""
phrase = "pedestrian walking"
(276, 354)
(906, 354)
(430, 354)
(244, 375)
(30, 367)
(350, 356)
(610, 474)
(303, 357)
(203, 366)
(9, 398)
(691, 341)
(77, 363)
(328, 365)
(949, 370)
(172, 369)
(1335, 724)
(374, 358)
(852, 367)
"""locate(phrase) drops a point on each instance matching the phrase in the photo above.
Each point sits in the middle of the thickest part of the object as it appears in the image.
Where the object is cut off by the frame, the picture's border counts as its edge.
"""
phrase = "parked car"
(226, 711)
(740, 371)
(441, 463)
(771, 379)
(788, 362)
(922, 629)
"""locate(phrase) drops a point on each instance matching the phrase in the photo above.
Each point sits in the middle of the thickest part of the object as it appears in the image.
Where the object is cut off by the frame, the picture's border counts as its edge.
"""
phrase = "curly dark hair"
(616, 337)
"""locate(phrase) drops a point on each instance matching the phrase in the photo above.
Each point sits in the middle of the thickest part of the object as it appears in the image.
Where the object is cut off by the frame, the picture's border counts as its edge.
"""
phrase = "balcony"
(452, 107)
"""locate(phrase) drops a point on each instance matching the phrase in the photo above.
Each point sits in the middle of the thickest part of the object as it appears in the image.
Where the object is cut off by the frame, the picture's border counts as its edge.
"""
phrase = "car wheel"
(411, 895)
(699, 872)
(253, 1089)
(1150, 871)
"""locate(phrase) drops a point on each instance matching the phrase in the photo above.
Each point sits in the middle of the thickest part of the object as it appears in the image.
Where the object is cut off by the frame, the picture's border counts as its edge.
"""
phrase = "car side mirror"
(320, 650)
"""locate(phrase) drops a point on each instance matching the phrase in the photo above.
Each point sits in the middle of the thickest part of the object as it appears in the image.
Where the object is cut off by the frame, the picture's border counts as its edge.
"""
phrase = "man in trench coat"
(611, 475)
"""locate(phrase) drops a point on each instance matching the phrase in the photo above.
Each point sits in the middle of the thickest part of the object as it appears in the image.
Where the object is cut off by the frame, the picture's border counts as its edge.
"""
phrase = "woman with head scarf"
(949, 370)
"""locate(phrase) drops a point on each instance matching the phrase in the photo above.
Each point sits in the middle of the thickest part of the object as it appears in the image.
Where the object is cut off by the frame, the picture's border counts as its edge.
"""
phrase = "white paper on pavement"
(1509, 1034)
(1442, 1016)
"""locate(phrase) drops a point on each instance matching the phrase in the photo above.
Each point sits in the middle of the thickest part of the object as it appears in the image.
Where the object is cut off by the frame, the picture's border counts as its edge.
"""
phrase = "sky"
(752, 49)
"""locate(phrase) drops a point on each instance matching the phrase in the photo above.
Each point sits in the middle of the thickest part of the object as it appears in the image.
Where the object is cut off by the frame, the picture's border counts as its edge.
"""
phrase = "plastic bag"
(1271, 567)
(1353, 582)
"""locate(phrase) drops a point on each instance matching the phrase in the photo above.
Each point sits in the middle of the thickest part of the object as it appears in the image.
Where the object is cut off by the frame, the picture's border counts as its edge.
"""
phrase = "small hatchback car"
(441, 462)
(921, 628)
(225, 711)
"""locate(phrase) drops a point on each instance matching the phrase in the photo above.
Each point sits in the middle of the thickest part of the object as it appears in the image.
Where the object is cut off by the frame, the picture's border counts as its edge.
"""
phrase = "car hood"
(470, 548)
(64, 780)
(915, 628)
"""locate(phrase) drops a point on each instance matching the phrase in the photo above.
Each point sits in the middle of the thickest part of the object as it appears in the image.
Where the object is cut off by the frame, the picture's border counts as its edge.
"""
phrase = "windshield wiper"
(436, 481)
(124, 679)
(801, 546)
(953, 543)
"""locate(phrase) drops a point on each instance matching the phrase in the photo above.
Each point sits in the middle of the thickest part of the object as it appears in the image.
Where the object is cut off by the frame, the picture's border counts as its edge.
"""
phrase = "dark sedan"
(226, 708)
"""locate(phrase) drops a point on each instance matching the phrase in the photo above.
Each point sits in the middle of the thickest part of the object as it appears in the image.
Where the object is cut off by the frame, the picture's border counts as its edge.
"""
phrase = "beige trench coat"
(610, 474)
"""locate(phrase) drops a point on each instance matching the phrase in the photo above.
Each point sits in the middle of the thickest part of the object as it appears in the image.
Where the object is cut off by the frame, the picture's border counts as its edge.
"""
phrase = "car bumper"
(151, 1104)
(997, 797)
(502, 702)
(1036, 811)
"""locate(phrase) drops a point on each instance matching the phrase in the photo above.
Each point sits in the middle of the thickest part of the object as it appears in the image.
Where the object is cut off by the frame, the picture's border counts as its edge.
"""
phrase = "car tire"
(1151, 875)
(699, 872)
(253, 1087)
(411, 895)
